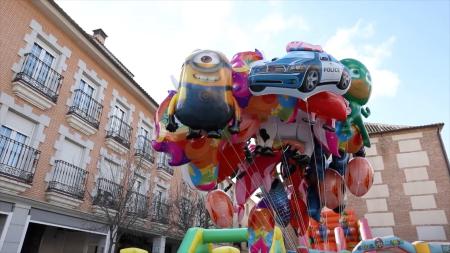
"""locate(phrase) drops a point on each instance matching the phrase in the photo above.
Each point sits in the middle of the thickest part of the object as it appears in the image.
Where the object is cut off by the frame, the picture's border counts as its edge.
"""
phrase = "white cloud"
(152, 38)
(276, 22)
(360, 42)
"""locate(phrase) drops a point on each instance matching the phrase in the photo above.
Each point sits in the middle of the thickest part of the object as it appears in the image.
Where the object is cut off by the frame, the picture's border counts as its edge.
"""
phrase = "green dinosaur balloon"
(358, 95)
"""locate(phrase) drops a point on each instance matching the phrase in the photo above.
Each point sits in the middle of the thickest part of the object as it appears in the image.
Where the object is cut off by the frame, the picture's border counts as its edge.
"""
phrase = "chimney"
(100, 35)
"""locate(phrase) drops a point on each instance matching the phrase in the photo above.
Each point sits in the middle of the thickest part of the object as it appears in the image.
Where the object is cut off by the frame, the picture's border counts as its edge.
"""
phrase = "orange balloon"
(202, 151)
(355, 143)
(262, 106)
(332, 189)
(359, 176)
(220, 208)
(261, 218)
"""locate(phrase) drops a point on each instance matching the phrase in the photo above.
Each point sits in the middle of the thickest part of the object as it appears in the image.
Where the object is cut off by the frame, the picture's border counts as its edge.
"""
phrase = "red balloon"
(299, 214)
(327, 105)
(359, 176)
(228, 157)
(259, 173)
(332, 189)
(220, 208)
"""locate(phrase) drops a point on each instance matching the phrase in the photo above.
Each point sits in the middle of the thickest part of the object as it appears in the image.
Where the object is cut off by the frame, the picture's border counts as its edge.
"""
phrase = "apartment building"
(71, 115)
(410, 193)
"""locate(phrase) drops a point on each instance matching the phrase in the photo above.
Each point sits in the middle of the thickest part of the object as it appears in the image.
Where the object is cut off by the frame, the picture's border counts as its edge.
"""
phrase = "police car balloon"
(304, 71)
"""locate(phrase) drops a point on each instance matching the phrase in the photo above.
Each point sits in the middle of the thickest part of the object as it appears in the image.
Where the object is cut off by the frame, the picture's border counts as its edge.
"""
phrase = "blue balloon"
(317, 164)
(280, 202)
(313, 202)
(339, 164)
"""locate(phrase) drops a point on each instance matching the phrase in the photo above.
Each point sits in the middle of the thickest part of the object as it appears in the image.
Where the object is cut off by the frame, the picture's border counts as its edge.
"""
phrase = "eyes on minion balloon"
(204, 101)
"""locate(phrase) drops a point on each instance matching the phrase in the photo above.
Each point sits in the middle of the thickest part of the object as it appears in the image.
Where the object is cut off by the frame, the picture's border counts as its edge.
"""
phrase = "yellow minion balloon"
(204, 100)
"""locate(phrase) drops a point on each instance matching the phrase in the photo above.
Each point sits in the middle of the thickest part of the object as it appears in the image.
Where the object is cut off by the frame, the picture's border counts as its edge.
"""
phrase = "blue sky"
(405, 44)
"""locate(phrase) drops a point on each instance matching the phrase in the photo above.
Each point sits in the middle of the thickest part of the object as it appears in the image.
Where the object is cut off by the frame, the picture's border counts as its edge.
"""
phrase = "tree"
(188, 209)
(119, 198)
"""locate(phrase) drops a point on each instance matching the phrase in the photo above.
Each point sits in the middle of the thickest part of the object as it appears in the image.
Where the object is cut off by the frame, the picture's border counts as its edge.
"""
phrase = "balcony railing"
(17, 160)
(119, 130)
(108, 194)
(86, 108)
(144, 149)
(138, 204)
(68, 179)
(40, 77)
(165, 167)
(160, 212)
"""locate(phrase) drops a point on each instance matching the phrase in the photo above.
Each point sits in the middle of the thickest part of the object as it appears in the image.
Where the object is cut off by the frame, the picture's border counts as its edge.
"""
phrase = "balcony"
(160, 212)
(138, 205)
(67, 185)
(108, 194)
(164, 171)
(37, 83)
(144, 151)
(118, 135)
(84, 113)
(17, 165)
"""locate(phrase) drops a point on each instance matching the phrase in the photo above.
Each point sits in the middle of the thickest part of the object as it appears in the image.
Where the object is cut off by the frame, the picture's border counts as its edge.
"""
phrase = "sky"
(404, 44)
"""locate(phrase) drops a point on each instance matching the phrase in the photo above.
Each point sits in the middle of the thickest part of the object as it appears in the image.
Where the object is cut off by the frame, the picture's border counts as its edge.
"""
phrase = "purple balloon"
(176, 153)
(240, 89)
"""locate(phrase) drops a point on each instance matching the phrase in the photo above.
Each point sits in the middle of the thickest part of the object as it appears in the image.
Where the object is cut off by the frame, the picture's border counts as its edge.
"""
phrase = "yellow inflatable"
(225, 249)
(133, 250)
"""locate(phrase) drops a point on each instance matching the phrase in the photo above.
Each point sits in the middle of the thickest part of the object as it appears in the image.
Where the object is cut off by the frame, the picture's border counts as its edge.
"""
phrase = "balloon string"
(266, 195)
(315, 163)
(294, 195)
(297, 205)
(253, 183)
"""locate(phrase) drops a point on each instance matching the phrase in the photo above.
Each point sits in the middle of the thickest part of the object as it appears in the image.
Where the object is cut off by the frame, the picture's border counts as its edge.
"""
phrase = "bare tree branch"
(119, 196)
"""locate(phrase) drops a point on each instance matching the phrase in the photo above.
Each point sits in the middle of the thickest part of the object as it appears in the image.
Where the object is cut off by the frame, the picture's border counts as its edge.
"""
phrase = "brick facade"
(410, 195)
(77, 56)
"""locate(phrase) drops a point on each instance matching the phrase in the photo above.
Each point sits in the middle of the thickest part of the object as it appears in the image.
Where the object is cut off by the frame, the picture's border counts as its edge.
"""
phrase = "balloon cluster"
(291, 127)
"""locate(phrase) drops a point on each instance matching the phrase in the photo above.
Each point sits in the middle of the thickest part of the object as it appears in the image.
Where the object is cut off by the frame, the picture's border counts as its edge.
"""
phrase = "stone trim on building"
(105, 155)
(122, 100)
(42, 121)
(38, 35)
(91, 75)
(64, 132)
(143, 119)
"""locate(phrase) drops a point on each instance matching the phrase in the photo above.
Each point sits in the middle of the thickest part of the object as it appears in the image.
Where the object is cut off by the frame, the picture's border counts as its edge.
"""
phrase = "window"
(144, 139)
(300, 54)
(139, 184)
(164, 159)
(119, 112)
(160, 194)
(323, 57)
(72, 153)
(83, 100)
(19, 124)
(111, 171)
(10, 154)
(119, 119)
(38, 71)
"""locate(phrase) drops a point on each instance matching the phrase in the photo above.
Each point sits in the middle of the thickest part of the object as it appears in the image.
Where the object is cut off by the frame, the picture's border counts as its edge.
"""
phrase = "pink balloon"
(359, 176)
(220, 208)
(332, 189)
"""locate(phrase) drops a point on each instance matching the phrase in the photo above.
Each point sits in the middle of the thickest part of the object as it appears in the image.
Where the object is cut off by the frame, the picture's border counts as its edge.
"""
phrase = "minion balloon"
(204, 101)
